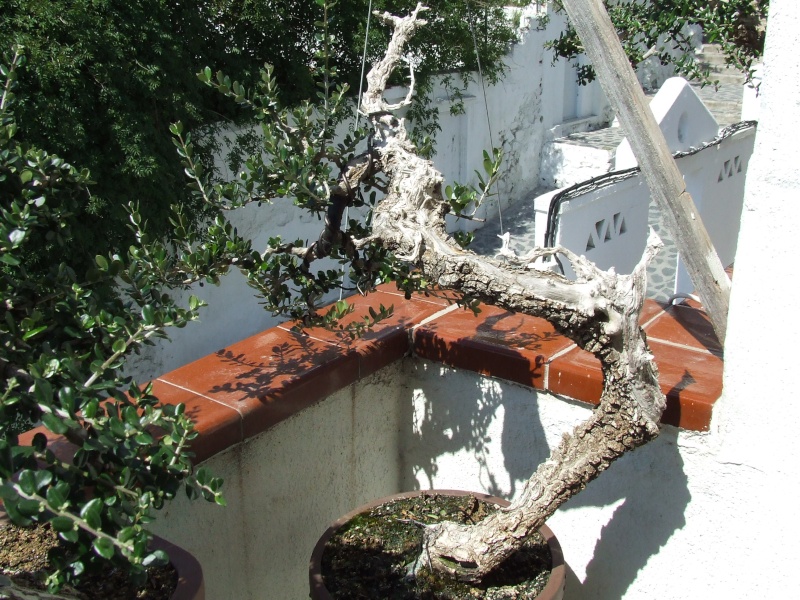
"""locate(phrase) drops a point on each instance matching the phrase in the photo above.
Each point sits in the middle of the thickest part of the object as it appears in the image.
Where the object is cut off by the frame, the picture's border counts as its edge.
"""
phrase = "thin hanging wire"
(357, 116)
(363, 64)
(485, 103)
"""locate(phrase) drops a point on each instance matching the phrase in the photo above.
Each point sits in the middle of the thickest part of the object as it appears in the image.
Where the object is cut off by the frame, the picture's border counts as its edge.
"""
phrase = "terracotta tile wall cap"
(248, 387)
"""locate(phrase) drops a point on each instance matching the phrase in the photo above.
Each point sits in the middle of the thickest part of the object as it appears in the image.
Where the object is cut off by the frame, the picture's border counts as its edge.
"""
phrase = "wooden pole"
(618, 80)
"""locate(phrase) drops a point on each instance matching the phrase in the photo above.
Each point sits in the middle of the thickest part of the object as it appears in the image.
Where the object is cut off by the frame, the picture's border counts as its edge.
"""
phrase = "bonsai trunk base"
(375, 551)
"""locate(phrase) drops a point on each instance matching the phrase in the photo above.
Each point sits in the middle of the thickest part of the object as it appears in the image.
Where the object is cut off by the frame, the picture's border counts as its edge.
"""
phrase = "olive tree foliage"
(660, 28)
(104, 81)
(106, 78)
(64, 336)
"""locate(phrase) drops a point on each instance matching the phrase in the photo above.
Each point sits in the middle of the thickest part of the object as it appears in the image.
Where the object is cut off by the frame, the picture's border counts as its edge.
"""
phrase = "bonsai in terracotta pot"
(106, 455)
(405, 240)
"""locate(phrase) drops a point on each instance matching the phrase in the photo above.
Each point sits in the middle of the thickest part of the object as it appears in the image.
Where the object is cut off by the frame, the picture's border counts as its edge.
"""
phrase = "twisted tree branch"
(599, 311)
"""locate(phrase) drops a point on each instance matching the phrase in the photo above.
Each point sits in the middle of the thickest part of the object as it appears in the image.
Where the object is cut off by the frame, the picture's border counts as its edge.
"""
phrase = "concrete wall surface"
(284, 487)
(642, 530)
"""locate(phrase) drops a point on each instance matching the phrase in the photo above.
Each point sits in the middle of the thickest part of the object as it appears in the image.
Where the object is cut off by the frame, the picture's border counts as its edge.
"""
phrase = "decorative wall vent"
(730, 168)
(606, 230)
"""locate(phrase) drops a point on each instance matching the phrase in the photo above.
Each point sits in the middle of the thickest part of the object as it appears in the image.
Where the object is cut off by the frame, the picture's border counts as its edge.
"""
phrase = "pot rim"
(558, 570)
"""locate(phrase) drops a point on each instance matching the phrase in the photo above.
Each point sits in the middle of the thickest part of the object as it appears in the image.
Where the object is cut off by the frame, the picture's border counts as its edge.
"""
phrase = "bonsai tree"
(64, 336)
(405, 240)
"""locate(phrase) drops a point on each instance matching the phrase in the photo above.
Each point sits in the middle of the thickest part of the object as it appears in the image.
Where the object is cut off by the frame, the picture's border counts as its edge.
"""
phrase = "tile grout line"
(653, 319)
(309, 336)
(685, 347)
(413, 298)
(412, 331)
(236, 410)
(436, 315)
(549, 361)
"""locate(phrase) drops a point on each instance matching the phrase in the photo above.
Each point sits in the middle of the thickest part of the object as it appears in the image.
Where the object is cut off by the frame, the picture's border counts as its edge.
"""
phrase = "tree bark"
(599, 311)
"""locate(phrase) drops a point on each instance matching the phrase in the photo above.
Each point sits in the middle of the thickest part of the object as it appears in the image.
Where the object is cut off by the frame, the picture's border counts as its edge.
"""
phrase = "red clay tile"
(692, 382)
(686, 325)
(650, 310)
(436, 296)
(59, 445)
(577, 375)
(497, 343)
(219, 426)
(269, 377)
(387, 341)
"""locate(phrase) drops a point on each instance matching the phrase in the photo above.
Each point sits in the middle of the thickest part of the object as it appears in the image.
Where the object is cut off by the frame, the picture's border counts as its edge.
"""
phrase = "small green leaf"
(148, 314)
(54, 424)
(56, 499)
(27, 482)
(91, 513)
(71, 535)
(61, 524)
(34, 332)
(7, 492)
(104, 547)
(42, 478)
(156, 559)
(14, 513)
(16, 237)
(101, 262)
(29, 508)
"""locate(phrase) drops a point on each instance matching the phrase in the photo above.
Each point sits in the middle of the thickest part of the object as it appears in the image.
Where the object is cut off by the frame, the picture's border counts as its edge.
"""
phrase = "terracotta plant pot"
(555, 585)
(190, 575)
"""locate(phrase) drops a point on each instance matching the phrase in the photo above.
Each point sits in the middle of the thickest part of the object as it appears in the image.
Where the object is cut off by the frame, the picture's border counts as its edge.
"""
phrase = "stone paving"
(724, 102)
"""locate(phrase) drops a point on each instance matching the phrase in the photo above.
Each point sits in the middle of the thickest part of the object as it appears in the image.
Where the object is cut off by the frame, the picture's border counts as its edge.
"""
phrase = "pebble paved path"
(724, 102)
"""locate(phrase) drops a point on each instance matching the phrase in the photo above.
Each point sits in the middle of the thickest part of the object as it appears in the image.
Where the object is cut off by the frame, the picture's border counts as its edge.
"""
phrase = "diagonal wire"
(358, 115)
(471, 20)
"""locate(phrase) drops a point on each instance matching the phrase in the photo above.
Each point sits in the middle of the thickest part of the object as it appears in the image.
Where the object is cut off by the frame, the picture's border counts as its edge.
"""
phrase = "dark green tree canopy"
(106, 78)
(659, 27)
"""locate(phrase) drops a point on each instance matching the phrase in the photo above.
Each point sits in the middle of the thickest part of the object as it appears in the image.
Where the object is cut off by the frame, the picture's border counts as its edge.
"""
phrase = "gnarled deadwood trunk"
(599, 311)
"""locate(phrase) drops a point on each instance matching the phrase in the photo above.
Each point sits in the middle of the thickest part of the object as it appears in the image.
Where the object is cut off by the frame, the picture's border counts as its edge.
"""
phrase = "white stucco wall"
(523, 108)
(673, 519)
(642, 530)
(758, 413)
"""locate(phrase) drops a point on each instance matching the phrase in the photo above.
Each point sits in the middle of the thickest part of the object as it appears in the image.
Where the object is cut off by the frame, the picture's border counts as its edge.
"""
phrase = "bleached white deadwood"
(599, 311)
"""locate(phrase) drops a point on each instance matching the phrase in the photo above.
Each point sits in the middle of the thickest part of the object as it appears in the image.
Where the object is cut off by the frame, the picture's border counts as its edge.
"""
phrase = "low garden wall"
(304, 427)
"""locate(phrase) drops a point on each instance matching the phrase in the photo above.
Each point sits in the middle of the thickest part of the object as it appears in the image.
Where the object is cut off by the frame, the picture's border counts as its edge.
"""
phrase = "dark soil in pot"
(370, 555)
(23, 557)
